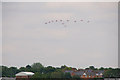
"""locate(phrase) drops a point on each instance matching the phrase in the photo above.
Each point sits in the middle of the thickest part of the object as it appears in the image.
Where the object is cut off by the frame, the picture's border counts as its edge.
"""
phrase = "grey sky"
(0, 33)
(26, 39)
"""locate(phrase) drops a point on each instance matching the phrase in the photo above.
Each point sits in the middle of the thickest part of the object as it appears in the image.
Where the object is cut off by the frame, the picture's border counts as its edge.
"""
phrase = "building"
(87, 73)
(26, 75)
(7, 78)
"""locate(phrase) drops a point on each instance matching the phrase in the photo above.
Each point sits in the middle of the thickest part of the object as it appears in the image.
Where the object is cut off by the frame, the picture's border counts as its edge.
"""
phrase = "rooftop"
(25, 74)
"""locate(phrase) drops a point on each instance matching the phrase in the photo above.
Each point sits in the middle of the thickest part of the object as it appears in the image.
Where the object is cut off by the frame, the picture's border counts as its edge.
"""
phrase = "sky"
(60, 0)
(27, 39)
(0, 33)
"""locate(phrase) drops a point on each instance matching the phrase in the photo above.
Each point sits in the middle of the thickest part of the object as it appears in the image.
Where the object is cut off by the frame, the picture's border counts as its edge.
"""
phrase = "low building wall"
(6, 78)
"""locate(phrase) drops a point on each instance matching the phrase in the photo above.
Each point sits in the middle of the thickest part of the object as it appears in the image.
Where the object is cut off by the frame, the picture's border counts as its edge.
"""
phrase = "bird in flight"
(88, 21)
(75, 21)
(64, 22)
(81, 20)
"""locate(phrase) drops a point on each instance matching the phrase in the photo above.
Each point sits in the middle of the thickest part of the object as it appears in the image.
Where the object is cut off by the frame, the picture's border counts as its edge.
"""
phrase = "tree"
(67, 75)
(62, 67)
(67, 68)
(57, 75)
(5, 71)
(13, 71)
(101, 68)
(49, 69)
(86, 68)
(37, 75)
(91, 67)
(112, 72)
(37, 67)
(28, 66)
(76, 76)
(21, 69)
(0, 71)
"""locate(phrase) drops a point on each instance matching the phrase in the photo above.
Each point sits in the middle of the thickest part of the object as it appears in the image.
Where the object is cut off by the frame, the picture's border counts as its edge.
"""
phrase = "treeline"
(52, 72)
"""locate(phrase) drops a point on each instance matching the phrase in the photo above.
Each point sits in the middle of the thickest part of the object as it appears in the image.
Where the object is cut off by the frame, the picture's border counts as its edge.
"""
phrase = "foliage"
(57, 75)
(67, 75)
(52, 72)
(112, 72)
(101, 68)
(49, 69)
(10, 72)
(37, 67)
(76, 76)
(0, 71)
(91, 67)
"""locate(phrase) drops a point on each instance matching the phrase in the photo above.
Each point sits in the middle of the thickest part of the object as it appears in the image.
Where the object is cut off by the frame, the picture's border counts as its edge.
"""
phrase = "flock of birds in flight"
(63, 22)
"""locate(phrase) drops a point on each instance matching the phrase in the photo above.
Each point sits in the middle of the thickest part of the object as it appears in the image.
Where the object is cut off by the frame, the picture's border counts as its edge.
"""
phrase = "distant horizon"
(60, 66)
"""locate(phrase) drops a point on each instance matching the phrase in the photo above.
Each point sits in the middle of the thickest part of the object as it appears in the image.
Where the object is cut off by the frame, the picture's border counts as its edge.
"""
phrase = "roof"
(84, 74)
(88, 72)
(68, 71)
(25, 74)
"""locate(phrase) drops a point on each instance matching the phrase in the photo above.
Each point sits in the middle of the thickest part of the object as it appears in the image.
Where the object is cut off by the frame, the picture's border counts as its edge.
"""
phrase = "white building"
(24, 75)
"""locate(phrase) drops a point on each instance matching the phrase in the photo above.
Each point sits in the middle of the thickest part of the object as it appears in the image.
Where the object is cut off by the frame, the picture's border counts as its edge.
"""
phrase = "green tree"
(49, 69)
(5, 71)
(91, 67)
(67, 75)
(37, 75)
(13, 71)
(86, 68)
(0, 71)
(62, 67)
(37, 67)
(22, 69)
(57, 75)
(112, 72)
(76, 76)
(28, 67)
(67, 68)
(102, 68)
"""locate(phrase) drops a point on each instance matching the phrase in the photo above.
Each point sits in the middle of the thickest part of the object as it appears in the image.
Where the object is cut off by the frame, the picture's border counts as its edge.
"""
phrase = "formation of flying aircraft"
(63, 22)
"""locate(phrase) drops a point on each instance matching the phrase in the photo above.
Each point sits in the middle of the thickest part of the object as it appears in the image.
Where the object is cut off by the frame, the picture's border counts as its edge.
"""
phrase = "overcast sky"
(0, 33)
(27, 39)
